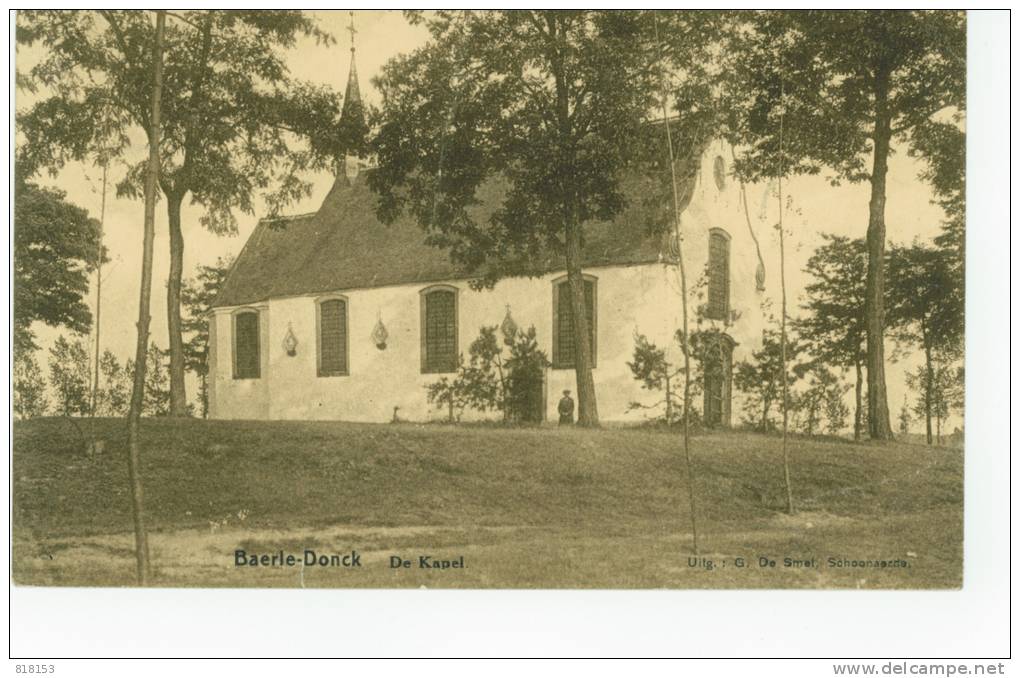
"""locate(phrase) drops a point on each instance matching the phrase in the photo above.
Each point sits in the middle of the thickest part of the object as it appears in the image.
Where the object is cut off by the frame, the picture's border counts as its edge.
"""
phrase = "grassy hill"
(524, 507)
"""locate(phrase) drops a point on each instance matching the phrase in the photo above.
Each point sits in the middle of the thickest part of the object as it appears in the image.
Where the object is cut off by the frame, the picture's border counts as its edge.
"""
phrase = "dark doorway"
(718, 368)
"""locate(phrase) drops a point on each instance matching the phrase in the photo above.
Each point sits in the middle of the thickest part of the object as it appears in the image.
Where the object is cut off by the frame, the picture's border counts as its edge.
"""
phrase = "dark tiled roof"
(344, 246)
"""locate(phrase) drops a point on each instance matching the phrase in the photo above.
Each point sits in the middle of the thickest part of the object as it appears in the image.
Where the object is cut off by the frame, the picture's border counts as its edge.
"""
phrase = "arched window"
(439, 329)
(564, 346)
(717, 365)
(332, 337)
(247, 359)
(718, 307)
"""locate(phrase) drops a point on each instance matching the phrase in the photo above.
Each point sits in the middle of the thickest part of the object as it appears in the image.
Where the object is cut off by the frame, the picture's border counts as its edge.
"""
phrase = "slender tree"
(783, 316)
(100, 254)
(198, 295)
(855, 83)
(905, 417)
(684, 330)
(832, 328)
(684, 78)
(69, 375)
(927, 309)
(142, 344)
(236, 124)
(939, 390)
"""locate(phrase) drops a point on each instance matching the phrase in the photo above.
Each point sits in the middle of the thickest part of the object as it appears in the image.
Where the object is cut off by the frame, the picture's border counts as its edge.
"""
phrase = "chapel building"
(334, 315)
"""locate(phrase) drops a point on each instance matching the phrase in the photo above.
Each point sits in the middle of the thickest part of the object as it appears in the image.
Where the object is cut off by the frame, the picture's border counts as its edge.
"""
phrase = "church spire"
(353, 128)
(352, 97)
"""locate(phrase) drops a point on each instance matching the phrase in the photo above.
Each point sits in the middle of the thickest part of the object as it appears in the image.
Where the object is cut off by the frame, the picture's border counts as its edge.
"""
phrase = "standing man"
(566, 409)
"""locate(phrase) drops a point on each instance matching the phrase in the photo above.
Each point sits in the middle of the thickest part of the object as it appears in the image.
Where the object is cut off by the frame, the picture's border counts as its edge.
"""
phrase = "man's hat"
(566, 391)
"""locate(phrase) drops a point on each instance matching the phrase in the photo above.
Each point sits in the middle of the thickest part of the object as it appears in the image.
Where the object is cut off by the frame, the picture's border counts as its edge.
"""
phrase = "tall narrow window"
(564, 345)
(718, 275)
(333, 338)
(717, 365)
(439, 330)
(247, 363)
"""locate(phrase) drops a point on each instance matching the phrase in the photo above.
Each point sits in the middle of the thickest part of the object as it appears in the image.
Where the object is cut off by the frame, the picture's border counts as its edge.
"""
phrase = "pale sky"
(381, 35)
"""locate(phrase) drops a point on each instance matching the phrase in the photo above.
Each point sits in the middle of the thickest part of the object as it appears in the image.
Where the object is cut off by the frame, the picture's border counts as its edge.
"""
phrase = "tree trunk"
(504, 396)
(879, 426)
(204, 395)
(928, 384)
(669, 404)
(587, 407)
(99, 295)
(857, 401)
(682, 270)
(782, 328)
(178, 396)
(142, 344)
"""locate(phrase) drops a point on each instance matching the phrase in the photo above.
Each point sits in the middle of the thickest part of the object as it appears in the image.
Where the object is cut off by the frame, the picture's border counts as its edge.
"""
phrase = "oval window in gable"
(719, 171)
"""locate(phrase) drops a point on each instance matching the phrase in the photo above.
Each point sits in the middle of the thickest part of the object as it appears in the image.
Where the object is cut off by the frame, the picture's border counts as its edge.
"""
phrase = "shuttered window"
(718, 276)
(332, 338)
(439, 331)
(564, 346)
(247, 362)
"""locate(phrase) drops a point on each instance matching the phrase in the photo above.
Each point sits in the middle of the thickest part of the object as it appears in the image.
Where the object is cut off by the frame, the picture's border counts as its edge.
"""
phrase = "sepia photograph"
(489, 299)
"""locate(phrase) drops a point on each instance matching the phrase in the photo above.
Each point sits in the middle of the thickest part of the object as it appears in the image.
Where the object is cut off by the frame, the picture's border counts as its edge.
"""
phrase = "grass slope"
(525, 507)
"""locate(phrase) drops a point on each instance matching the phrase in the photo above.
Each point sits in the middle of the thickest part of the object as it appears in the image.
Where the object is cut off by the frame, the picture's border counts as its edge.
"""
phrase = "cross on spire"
(352, 30)
(353, 93)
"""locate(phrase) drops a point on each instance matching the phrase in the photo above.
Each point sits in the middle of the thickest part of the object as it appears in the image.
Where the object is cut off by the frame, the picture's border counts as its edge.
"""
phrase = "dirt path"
(508, 556)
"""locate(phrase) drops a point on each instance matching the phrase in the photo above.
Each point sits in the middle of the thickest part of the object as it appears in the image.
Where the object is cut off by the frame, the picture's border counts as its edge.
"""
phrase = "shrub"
(115, 386)
(761, 379)
(29, 386)
(822, 401)
(69, 375)
(525, 378)
(655, 373)
(492, 382)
